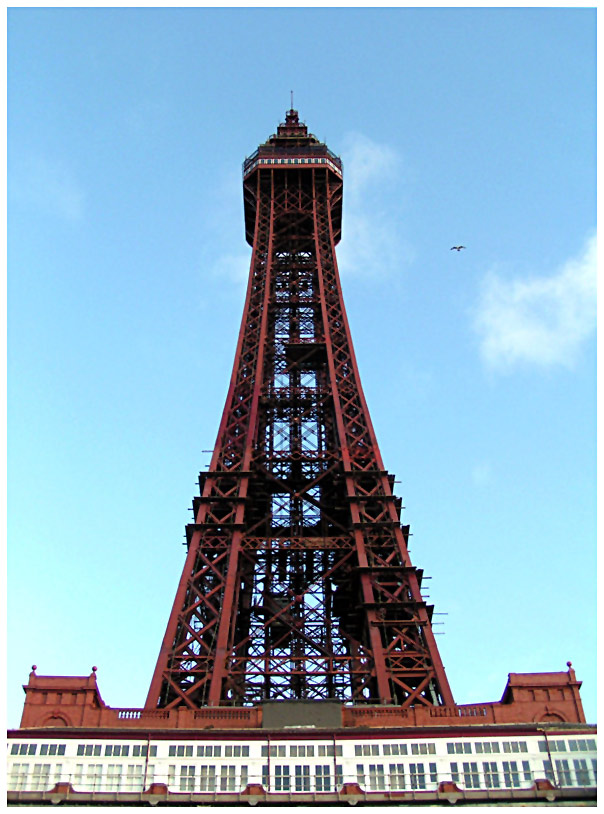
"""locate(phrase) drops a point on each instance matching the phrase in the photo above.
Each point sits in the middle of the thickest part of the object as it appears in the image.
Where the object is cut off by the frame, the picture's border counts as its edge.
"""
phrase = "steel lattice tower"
(298, 582)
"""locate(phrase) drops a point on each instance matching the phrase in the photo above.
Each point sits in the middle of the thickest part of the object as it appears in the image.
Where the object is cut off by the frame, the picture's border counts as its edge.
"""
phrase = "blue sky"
(127, 265)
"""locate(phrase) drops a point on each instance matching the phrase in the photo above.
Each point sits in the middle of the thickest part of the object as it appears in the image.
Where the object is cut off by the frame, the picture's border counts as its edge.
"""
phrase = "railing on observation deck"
(307, 151)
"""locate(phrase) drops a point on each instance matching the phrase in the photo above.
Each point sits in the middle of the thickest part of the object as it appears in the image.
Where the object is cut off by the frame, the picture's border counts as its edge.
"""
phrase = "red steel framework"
(298, 582)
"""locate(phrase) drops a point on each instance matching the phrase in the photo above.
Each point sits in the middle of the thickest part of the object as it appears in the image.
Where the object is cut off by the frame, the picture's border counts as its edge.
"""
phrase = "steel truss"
(297, 582)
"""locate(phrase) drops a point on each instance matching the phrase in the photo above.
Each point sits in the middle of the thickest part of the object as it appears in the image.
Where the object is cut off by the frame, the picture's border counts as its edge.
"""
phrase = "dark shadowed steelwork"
(298, 582)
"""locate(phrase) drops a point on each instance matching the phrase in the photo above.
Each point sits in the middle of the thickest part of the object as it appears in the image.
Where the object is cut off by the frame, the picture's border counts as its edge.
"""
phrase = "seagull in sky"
(457, 248)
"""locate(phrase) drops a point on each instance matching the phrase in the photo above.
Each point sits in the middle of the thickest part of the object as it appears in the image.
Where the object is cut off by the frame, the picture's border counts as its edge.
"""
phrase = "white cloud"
(371, 240)
(367, 165)
(47, 184)
(538, 320)
(222, 225)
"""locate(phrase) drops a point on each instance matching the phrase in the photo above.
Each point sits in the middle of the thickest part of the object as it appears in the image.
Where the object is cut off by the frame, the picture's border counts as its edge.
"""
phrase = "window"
(563, 772)
(377, 781)
(301, 751)
(397, 776)
(328, 750)
(187, 778)
(180, 751)
(582, 745)
(470, 775)
(274, 751)
(134, 778)
(339, 776)
(212, 751)
(227, 778)
(417, 776)
(141, 751)
(459, 748)
(454, 772)
(265, 778)
(114, 777)
(486, 747)
(322, 778)
(549, 772)
(581, 772)
(511, 777)
(433, 773)
(302, 778)
(423, 749)
(18, 776)
(491, 775)
(171, 775)
(89, 750)
(526, 770)
(395, 749)
(52, 749)
(366, 750)
(41, 777)
(94, 776)
(78, 774)
(554, 746)
(282, 779)
(236, 751)
(23, 749)
(117, 750)
(361, 775)
(515, 746)
(207, 778)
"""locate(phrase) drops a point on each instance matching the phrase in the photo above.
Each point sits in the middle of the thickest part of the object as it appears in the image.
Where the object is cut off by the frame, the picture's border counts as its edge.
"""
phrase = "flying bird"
(457, 248)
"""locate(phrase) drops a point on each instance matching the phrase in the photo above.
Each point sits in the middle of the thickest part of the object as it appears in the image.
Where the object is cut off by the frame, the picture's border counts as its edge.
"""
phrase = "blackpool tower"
(299, 664)
(298, 582)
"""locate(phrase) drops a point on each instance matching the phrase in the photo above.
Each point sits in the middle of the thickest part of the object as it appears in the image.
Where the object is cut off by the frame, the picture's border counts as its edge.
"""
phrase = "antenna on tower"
(291, 94)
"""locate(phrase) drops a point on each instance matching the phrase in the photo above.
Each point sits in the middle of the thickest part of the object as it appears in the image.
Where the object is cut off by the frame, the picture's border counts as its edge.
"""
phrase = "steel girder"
(297, 582)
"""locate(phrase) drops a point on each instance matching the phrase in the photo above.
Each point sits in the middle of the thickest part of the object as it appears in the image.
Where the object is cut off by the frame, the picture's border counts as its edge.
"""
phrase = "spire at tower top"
(292, 126)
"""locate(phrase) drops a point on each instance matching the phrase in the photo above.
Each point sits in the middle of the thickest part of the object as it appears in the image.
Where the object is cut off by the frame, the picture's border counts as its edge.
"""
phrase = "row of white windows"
(372, 777)
(474, 775)
(119, 777)
(308, 750)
